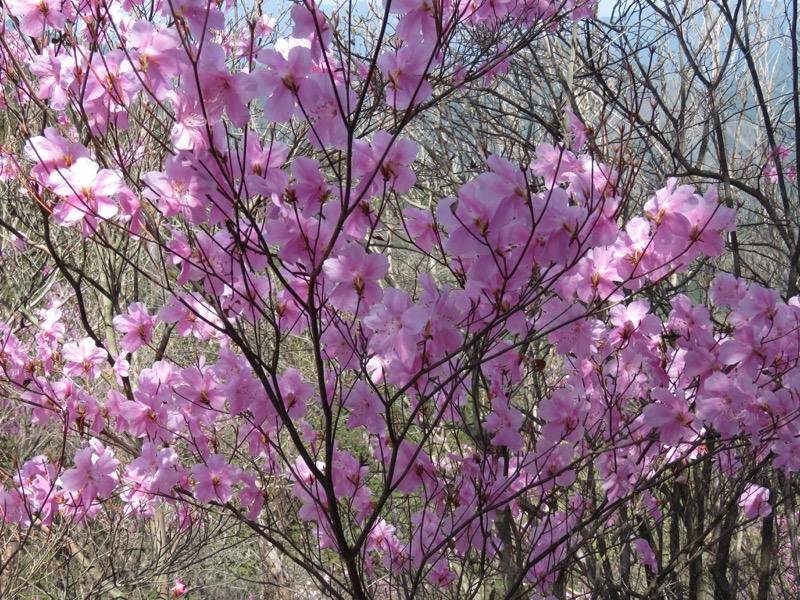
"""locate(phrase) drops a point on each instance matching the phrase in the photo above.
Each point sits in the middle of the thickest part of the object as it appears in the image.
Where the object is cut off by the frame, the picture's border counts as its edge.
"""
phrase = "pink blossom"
(770, 173)
(421, 228)
(52, 152)
(670, 416)
(159, 55)
(220, 89)
(288, 67)
(385, 161)
(137, 326)
(599, 278)
(708, 219)
(381, 536)
(200, 389)
(405, 72)
(192, 316)
(56, 74)
(88, 193)
(755, 501)
(150, 415)
(83, 359)
(554, 164)
(190, 128)
(721, 404)
(552, 464)
(35, 15)
(787, 452)
(295, 393)
(570, 329)
(726, 290)
(179, 589)
(311, 24)
(411, 466)
(198, 14)
(323, 103)
(366, 408)
(563, 412)
(95, 473)
(214, 480)
(759, 305)
(644, 551)
(356, 274)
(505, 421)
(576, 129)
(179, 190)
(396, 324)
(156, 471)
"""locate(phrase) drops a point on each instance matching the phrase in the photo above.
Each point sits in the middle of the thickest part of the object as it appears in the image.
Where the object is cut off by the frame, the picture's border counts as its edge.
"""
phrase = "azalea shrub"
(252, 306)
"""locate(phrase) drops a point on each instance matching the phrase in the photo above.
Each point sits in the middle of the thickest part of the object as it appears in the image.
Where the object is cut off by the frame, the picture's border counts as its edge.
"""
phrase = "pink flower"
(647, 557)
(35, 15)
(554, 164)
(570, 329)
(397, 324)
(787, 452)
(95, 473)
(52, 151)
(310, 189)
(357, 273)
(179, 589)
(321, 103)
(365, 408)
(564, 412)
(190, 129)
(726, 290)
(295, 393)
(198, 14)
(159, 54)
(311, 24)
(598, 276)
(155, 471)
(755, 501)
(382, 537)
(83, 359)
(405, 71)
(412, 466)
(178, 190)
(759, 305)
(214, 480)
(421, 228)
(56, 74)
(670, 416)
(721, 404)
(385, 162)
(193, 316)
(88, 193)
(770, 173)
(444, 310)
(552, 465)
(577, 131)
(505, 421)
(137, 326)
(149, 415)
(288, 68)
(633, 322)
(708, 219)
(220, 89)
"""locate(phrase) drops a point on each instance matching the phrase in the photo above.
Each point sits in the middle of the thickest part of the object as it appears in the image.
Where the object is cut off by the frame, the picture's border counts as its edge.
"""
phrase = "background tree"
(708, 91)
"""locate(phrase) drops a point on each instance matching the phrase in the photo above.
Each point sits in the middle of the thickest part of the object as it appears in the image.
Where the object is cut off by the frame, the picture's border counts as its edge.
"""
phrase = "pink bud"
(179, 589)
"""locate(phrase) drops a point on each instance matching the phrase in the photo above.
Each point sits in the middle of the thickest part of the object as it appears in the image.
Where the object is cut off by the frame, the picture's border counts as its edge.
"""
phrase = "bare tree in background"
(709, 94)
